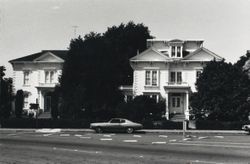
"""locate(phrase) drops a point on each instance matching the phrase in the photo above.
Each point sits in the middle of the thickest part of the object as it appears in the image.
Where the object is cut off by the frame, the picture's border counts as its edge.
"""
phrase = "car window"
(115, 121)
(123, 121)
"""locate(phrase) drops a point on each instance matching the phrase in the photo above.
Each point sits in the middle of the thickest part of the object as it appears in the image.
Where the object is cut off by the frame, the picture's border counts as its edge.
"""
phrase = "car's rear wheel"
(98, 130)
(129, 130)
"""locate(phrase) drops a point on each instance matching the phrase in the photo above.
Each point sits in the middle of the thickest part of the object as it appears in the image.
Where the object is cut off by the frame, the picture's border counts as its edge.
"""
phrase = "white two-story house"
(168, 70)
(37, 75)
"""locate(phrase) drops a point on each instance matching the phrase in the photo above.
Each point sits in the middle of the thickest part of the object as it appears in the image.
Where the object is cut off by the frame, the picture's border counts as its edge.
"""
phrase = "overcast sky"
(29, 26)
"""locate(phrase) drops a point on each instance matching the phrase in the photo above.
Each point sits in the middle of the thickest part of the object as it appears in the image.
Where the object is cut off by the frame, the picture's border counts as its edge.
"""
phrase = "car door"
(114, 124)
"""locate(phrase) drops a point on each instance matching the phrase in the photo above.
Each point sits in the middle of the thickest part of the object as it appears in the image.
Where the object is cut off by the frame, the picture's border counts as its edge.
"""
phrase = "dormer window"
(176, 51)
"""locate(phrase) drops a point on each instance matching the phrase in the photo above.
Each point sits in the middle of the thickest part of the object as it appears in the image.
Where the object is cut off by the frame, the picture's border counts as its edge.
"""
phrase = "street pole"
(184, 128)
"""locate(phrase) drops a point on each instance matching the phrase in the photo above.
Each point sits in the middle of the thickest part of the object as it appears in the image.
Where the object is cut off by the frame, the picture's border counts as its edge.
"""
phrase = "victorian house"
(168, 71)
(37, 75)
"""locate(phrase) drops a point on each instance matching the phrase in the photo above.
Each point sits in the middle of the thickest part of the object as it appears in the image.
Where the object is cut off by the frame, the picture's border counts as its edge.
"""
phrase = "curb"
(140, 131)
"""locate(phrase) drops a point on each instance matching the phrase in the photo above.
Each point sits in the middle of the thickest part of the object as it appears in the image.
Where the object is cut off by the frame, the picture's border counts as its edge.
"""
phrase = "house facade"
(37, 75)
(168, 71)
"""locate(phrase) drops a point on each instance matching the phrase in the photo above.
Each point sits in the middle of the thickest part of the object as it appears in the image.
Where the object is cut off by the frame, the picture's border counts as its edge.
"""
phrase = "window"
(198, 73)
(115, 121)
(25, 101)
(173, 51)
(172, 77)
(154, 78)
(147, 78)
(179, 78)
(49, 76)
(176, 52)
(176, 77)
(151, 78)
(26, 77)
(176, 102)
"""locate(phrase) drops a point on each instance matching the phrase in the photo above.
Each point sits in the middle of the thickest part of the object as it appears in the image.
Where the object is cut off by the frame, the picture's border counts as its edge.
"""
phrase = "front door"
(176, 105)
(47, 103)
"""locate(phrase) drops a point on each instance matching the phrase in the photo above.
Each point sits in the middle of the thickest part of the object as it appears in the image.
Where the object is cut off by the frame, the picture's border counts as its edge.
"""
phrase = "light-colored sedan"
(246, 128)
(115, 125)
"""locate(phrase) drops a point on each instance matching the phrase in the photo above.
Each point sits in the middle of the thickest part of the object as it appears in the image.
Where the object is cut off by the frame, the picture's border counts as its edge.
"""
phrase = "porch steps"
(45, 115)
(178, 118)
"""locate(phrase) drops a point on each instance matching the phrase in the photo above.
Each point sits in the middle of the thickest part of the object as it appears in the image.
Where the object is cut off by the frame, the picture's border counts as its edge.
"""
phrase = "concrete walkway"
(142, 131)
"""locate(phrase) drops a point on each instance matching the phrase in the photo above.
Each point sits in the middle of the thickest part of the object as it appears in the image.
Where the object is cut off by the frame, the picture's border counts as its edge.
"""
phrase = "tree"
(94, 70)
(19, 103)
(126, 40)
(5, 94)
(222, 89)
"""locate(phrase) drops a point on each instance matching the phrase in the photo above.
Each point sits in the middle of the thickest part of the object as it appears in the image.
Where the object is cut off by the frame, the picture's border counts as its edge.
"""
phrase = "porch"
(177, 101)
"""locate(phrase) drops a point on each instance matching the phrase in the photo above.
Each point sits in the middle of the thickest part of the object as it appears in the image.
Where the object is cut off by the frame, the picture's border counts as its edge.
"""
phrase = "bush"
(19, 103)
(219, 125)
(141, 108)
(44, 123)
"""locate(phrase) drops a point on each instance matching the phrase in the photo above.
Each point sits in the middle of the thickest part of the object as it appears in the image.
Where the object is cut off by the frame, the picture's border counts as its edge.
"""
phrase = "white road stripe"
(78, 135)
(163, 136)
(202, 138)
(106, 135)
(224, 146)
(106, 139)
(132, 141)
(83, 137)
(228, 143)
(138, 136)
(185, 139)
(219, 136)
(197, 161)
(46, 135)
(172, 140)
(12, 134)
(76, 150)
(64, 135)
(158, 142)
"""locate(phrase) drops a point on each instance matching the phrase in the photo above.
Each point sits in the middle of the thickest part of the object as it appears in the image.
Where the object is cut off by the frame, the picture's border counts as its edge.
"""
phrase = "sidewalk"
(142, 131)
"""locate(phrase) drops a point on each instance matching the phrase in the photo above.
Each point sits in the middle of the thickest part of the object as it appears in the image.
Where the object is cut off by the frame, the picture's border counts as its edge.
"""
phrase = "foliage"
(19, 103)
(141, 108)
(55, 102)
(95, 68)
(6, 95)
(222, 89)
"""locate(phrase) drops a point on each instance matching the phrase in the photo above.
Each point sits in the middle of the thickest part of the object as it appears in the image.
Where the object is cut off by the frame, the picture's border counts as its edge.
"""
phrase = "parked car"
(246, 128)
(115, 125)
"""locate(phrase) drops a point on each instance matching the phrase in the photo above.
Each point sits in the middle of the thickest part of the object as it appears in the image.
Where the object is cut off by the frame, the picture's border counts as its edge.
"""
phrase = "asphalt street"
(86, 147)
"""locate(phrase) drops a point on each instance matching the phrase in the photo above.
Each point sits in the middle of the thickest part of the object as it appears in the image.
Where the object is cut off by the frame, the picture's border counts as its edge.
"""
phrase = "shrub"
(19, 103)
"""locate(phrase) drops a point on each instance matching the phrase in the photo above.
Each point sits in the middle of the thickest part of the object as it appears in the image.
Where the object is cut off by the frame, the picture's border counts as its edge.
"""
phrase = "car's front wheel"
(98, 130)
(129, 130)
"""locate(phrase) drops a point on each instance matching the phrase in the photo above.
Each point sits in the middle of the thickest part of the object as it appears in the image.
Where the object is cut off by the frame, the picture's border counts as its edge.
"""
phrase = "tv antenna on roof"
(75, 28)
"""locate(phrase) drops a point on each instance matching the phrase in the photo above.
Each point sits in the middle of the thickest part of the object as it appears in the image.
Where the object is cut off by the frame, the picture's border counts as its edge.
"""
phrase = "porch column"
(187, 106)
(167, 108)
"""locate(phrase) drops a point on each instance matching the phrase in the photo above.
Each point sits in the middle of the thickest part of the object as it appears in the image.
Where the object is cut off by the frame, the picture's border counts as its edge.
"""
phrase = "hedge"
(44, 123)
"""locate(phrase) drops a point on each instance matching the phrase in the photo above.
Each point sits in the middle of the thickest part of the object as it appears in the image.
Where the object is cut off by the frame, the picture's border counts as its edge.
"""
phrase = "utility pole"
(75, 28)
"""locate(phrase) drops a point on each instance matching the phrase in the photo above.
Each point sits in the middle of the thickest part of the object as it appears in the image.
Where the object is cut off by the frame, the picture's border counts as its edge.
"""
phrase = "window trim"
(152, 77)
(176, 76)
(26, 77)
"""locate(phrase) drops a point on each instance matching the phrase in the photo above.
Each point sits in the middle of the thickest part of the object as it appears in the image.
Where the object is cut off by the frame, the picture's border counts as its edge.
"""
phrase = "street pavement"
(72, 146)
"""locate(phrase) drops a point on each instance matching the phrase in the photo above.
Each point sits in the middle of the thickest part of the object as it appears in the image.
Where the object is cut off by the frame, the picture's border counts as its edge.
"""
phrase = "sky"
(29, 26)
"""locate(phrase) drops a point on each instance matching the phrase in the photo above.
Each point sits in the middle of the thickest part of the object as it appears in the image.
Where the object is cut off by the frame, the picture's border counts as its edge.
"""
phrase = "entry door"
(176, 104)
(47, 104)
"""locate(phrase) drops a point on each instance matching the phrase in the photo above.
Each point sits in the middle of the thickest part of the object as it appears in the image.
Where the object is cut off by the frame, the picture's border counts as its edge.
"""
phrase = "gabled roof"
(199, 51)
(29, 58)
(140, 56)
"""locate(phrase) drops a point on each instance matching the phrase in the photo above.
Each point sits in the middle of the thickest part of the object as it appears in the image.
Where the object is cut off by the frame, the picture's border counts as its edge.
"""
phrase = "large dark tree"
(6, 95)
(95, 68)
(126, 40)
(222, 89)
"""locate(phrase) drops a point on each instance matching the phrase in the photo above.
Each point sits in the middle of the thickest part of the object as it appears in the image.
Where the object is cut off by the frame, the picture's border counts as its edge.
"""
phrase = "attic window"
(176, 52)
